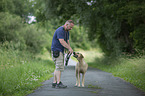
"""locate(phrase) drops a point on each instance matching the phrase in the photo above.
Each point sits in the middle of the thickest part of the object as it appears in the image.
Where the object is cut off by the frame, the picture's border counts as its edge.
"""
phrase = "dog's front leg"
(78, 78)
(83, 79)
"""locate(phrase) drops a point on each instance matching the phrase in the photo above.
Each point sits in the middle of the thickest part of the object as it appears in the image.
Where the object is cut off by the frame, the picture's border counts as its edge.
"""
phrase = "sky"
(32, 19)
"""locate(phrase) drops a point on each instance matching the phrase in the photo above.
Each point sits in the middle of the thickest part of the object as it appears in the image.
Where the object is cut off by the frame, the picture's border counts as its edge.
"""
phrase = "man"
(60, 41)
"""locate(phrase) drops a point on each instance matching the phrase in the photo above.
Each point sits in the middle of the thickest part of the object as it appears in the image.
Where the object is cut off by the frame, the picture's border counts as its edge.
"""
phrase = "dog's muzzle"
(74, 54)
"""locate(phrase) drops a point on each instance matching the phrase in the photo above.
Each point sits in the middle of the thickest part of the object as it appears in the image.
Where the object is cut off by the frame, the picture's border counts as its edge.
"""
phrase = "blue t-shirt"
(60, 33)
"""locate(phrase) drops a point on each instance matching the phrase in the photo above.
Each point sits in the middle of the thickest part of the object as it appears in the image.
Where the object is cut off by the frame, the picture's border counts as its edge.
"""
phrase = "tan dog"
(81, 67)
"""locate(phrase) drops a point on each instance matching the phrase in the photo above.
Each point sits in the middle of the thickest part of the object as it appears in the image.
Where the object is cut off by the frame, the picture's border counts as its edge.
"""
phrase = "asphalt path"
(97, 83)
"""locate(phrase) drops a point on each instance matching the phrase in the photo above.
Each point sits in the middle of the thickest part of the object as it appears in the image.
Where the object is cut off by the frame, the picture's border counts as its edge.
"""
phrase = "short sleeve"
(60, 34)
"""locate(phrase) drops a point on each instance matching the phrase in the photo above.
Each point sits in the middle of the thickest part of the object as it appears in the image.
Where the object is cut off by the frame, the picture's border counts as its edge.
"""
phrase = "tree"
(114, 23)
(22, 8)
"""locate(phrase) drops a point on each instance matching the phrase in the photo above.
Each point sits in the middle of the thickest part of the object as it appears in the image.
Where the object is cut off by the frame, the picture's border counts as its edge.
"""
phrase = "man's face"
(69, 26)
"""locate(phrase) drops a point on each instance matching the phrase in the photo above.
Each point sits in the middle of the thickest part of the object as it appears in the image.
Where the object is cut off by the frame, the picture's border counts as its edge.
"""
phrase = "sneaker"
(60, 85)
(53, 85)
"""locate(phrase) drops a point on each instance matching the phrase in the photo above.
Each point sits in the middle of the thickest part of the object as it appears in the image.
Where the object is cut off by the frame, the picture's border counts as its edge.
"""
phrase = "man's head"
(69, 24)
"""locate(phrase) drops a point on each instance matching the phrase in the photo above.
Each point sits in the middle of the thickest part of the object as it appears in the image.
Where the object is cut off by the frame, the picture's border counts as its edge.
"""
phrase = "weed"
(94, 86)
(20, 73)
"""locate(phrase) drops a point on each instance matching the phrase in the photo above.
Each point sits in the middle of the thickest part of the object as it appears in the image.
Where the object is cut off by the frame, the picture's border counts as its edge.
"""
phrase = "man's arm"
(68, 42)
(63, 43)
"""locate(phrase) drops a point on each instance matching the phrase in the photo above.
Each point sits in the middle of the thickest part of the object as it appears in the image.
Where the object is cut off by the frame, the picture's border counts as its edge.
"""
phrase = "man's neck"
(64, 26)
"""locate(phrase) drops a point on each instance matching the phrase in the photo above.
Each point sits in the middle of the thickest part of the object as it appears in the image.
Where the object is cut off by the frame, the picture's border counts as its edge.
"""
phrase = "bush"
(139, 36)
(9, 27)
(21, 36)
(35, 38)
(10, 30)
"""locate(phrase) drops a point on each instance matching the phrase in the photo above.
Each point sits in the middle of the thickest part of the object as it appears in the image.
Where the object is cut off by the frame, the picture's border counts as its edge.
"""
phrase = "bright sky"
(32, 19)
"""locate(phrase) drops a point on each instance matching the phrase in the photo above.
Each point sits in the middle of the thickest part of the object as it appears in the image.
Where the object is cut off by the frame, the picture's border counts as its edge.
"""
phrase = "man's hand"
(70, 50)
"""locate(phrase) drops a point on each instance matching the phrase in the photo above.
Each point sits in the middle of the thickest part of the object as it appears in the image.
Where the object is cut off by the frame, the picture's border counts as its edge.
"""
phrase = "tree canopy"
(115, 25)
(118, 25)
(22, 8)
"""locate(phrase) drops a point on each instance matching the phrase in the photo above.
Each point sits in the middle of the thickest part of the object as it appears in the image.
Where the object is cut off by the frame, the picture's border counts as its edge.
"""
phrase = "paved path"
(97, 83)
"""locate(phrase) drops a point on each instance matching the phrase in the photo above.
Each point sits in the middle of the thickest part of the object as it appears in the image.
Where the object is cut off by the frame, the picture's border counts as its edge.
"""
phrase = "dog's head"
(78, 55)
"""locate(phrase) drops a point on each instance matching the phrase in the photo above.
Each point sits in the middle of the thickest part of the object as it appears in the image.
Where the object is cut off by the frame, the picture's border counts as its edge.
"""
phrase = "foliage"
(10, 30)
(9, 26)
(20, 73)
(79, 39)
(35, 38)
(116, 26)
(21, 36)
(113, 23)
(57, 8)
(22, 8)
(137, 34)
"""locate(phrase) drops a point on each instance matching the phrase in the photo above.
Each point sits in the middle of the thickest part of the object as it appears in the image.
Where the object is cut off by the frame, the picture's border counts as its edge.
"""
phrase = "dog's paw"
(79, 86)
(83, 86)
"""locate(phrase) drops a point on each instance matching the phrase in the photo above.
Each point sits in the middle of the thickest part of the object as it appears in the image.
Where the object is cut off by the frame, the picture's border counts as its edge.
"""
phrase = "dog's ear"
(82, 56)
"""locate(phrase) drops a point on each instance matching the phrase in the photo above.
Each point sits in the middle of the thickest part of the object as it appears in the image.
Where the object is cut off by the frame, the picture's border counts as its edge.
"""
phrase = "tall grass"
(130, 69)
(20, 73)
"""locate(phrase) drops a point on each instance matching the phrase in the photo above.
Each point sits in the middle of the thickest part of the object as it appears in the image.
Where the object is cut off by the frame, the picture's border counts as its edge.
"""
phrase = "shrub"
(10, 26)
(35, 38)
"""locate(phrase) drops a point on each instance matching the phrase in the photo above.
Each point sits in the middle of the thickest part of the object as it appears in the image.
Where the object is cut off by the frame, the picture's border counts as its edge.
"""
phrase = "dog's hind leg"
(83, 79)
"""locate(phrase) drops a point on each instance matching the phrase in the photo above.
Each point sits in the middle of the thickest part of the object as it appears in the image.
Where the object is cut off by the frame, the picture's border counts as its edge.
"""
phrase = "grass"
(20, 74)
(129, 69)
(94, 86)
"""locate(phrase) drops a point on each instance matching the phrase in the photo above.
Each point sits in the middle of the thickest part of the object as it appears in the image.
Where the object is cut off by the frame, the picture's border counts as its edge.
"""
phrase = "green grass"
(94, 86)
(129, 69)
(20, 74)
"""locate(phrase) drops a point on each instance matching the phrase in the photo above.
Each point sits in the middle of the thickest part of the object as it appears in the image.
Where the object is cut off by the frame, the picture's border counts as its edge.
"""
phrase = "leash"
(68, 57)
